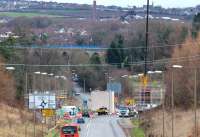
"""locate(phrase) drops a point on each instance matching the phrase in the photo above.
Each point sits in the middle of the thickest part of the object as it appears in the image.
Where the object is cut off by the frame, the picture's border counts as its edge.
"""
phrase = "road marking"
(88, 128)
(116, 132)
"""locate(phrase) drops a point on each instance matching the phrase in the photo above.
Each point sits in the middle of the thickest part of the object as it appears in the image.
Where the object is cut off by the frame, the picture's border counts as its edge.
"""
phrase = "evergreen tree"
(116, 53)
(196, 25)
(95, 59)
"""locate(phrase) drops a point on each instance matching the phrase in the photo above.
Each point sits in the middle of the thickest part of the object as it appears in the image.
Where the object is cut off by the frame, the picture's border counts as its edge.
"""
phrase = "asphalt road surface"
(103, 126)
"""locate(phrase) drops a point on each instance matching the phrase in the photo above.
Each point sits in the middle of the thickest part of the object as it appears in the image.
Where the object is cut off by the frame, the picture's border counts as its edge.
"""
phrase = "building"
(94, 10)
(102, 99)
(149, 95)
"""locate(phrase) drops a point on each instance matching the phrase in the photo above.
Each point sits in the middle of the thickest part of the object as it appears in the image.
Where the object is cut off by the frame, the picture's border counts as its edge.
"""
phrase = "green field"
(23, 14)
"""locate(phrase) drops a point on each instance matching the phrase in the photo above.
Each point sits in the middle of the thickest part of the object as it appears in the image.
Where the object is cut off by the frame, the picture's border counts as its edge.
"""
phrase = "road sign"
(144, 81)
(48, 112)
(129, 101)
(42, 101)
(114, 86)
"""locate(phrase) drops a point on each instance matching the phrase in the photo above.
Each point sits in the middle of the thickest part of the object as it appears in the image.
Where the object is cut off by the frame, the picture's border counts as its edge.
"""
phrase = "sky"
(125, 3)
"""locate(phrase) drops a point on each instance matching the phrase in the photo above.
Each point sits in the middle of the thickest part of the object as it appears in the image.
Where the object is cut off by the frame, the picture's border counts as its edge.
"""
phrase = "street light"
(10, 68)
(151, 72)
(44, 73)
(158, 72)
(38, 72)
(57, 76)
(141, 74)
(51, 74)
(177, 66)
(63, 77)
(124, 76)
(135, 76)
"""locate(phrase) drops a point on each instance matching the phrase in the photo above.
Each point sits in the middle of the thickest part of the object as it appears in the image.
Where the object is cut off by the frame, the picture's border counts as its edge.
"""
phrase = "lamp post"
(43, 74)
(109, 78)
(195, 102)
(124, 81)
(172, 94)
(34, 113)
(43, 90)
(50, 81)
(163, 101)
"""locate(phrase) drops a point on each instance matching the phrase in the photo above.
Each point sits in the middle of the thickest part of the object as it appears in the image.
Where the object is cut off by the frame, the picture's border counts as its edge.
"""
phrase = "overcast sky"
(125, 3)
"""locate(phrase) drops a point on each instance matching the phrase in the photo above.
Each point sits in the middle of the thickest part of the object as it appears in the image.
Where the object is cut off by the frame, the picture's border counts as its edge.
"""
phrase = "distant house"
(3, 21)
(84, 33)
(7, 35)
(61, 31)
(70, 32)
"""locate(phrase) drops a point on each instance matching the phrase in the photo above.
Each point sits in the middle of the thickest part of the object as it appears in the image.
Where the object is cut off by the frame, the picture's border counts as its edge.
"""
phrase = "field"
(28, 14)
(69, 13)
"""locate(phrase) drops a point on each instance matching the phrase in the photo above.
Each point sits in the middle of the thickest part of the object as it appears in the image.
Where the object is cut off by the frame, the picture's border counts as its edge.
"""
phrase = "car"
(70, 130)
(143, 107)
(77, 93)
(85, 114)
(127, 112)
(102, 111)
(80, 121)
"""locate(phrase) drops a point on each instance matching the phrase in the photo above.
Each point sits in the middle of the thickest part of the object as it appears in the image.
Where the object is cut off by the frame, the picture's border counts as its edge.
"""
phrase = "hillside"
(183, 123)
(15, 122)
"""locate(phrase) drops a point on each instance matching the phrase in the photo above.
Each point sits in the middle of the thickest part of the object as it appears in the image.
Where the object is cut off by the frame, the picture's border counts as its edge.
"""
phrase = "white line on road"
(88, 128)
(117, 131)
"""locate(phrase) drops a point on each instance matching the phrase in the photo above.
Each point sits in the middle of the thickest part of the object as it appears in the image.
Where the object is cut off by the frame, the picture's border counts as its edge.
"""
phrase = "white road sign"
(42, 101)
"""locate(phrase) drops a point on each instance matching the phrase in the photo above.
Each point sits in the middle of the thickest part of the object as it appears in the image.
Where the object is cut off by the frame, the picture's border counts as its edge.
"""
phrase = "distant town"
(68, 23)
(103, 12)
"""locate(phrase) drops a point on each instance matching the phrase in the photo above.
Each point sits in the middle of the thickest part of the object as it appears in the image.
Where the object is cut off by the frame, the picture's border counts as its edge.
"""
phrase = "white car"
(127, 112)
(77, 93)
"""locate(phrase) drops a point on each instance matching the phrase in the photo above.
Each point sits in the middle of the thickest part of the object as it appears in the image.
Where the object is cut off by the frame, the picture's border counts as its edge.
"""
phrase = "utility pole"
(195, 102)
(163, 102)
(147, 38)
(172, 102)
(84, 85)
(26, 94)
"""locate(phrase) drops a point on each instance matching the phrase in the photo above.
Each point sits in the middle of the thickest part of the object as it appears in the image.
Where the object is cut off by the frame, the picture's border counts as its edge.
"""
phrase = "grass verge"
(53, 133)
(137, 131)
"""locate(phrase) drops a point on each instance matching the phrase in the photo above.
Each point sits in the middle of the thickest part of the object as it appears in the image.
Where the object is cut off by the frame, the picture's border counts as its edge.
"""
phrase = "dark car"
(85, 114)
(80, 121)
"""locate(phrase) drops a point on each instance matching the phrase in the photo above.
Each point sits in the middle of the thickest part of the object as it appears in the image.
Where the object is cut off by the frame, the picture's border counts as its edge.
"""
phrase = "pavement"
(126, 125)
(103, 126)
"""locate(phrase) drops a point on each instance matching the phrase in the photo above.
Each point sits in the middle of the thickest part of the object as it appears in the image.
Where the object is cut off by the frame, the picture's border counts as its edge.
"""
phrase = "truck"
(101, 99)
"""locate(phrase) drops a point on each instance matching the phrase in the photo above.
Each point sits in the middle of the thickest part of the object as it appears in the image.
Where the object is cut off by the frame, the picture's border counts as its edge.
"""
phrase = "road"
(104, 126)
(82, 96)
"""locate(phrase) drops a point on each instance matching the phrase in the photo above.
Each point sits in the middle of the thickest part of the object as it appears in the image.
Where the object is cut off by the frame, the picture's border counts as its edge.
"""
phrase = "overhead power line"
(103, 48)
(161, 61)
